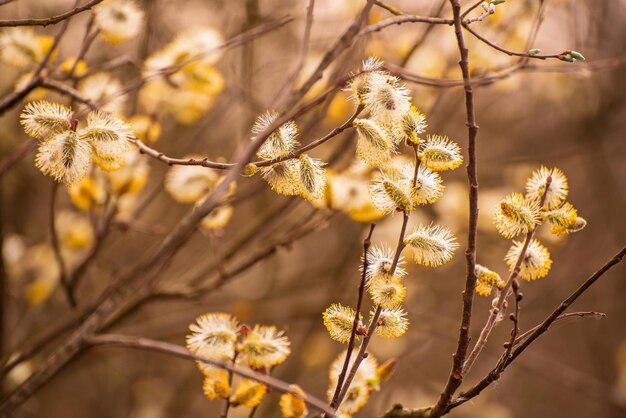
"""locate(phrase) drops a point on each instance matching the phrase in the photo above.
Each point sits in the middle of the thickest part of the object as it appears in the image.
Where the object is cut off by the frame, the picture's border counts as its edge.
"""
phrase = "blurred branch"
(53, 332)
(145, 273)
(252, 260)
(16, 155)
(101, 233)
(343, 43)
(54, 239)
(51, 20)
(436, 12)
(126, 341)
(388, 7)
(304, 49)
(67, 91)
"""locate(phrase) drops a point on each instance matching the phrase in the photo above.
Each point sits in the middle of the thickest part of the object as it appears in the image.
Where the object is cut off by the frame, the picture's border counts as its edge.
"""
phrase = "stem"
(355, 324)
(361, 355)
(230, 383)
(491, 320)
(455, 378)
(537, 331)
(374, 321)
(51, 20)
(125, 341)
(515, 319)
(54, 238)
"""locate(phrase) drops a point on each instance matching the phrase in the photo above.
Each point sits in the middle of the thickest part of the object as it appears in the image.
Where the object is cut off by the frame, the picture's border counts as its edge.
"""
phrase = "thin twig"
(54, 238)
(456, 377)
(205, 162)
(515, 319)
(366, 245)
(537, 331)
(126, 341)
(561, 317)
(50, 20)
(374, 320)
(404, 19)
(493, 315)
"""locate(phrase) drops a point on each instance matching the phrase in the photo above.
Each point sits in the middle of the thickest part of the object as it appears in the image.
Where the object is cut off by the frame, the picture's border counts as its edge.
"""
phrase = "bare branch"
(366, 245)
(537, 331)
(404, 19)
(456, 374)
(50, 20)
(125, 341)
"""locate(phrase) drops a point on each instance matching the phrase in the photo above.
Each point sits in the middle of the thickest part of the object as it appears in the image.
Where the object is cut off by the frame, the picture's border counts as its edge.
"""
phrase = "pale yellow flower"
(118, 20)
(536, 262)
(338, 320)
(264, 347)
(431, 245)
(248, 393)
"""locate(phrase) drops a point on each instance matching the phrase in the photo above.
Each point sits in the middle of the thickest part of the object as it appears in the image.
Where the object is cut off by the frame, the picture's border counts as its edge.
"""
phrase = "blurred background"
(551, 113)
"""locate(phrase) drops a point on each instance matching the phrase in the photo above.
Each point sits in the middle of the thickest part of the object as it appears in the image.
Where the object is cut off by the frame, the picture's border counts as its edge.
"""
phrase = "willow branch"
(514, 332)
(537, 331)
(343, 43)
(205, 162)
(355, 324)
(404, 19)
(56, 248)
(50, 20)
(140, 343)
(374, 320)
(561, 317)
(506, 51)
(456, 376)
(493, 315)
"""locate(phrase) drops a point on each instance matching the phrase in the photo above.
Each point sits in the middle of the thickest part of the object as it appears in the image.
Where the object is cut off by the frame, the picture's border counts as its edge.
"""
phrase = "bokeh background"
(572, 116)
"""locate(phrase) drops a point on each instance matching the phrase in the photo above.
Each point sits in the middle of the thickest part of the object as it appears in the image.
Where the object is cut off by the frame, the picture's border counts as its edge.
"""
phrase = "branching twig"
(362, 354)
(205, 162)
(537, 331)
(561, 317)
(493, 315)
(515, 319)
(355, 324)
